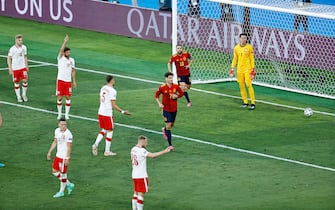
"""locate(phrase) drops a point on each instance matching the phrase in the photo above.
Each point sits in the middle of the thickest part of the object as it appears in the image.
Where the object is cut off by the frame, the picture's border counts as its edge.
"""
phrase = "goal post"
(294, 43)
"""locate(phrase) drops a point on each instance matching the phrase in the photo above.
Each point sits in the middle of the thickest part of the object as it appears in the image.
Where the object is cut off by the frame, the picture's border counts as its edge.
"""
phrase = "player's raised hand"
(66, 39)
(231, 72)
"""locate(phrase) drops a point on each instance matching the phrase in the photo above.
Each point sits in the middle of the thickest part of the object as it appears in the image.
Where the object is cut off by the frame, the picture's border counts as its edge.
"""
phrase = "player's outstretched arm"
(61, 51)
(157, 154)
(115, 106)
(125, 112)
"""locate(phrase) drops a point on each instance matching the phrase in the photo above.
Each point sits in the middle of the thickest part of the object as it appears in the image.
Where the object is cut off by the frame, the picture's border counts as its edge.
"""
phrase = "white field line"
(182, 137)
(193, 89)
(30, 66)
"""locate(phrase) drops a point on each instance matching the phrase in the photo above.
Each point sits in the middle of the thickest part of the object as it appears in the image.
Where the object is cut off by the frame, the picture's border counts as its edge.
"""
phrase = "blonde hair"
(18, 36)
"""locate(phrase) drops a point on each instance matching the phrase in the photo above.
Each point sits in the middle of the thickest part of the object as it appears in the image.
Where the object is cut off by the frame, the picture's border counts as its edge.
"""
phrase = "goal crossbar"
(315, 10)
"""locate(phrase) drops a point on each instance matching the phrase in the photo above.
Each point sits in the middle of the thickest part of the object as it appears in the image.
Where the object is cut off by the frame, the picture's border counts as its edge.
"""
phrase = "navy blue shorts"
(169, 116)
(185, 79)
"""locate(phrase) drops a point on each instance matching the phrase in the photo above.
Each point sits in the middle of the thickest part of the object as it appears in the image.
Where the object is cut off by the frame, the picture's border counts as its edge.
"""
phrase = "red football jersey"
(181, 61)
(170, 105)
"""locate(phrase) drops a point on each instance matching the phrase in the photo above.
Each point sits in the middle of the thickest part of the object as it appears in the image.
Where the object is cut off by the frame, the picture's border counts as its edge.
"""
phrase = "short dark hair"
(62, 119)
(243, 34)
(109, 78)
(167, 74)
(66, 49)
(141, 137)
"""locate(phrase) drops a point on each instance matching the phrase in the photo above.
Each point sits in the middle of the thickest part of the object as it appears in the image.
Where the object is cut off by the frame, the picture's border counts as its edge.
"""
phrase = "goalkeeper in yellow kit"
(244, 57)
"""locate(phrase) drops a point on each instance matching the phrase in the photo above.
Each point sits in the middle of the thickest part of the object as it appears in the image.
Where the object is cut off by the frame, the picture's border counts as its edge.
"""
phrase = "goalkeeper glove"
(231, 72)
(253, 73)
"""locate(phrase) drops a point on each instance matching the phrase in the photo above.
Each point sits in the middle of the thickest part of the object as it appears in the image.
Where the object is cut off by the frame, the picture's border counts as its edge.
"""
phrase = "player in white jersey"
(105, 116)
(66, 75)
(17, 62)
(139, 156)
(63, 141)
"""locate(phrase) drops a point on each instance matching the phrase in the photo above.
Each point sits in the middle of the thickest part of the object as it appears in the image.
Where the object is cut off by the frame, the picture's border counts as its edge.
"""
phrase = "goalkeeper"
(244, 57)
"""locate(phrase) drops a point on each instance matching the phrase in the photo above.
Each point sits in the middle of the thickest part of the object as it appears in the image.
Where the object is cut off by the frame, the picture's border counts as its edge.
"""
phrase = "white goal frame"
(320, 11)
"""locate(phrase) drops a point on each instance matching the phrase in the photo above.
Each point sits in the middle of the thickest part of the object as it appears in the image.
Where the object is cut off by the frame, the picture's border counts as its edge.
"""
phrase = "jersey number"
(102, 97)
(134, 160)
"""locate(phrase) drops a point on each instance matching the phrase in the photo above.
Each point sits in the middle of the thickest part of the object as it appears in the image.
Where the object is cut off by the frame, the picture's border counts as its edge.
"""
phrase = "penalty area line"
(181, 137)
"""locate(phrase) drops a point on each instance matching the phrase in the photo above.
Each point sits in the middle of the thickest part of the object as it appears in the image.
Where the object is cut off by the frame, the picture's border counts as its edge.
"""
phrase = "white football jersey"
(18, 54)
(65, 66)
(107, 94)
(62, 139)
(139, 161)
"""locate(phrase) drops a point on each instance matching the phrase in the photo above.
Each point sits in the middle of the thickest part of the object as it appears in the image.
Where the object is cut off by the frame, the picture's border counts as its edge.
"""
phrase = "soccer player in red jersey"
(171, 92)
(182, 61)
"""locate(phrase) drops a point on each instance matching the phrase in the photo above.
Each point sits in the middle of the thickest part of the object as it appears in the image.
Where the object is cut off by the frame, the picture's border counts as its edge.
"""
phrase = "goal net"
(294, 42)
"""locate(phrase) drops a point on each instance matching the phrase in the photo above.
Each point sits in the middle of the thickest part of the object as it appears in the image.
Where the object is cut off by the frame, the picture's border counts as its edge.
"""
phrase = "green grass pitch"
(201, 174)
